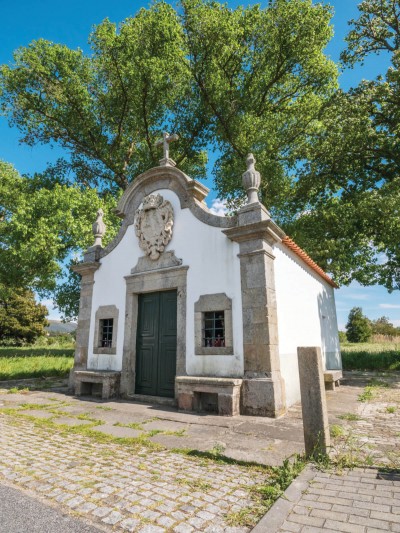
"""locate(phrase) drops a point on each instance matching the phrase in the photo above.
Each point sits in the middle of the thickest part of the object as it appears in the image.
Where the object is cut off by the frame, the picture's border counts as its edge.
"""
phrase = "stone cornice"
(265, 229)
(85, 268)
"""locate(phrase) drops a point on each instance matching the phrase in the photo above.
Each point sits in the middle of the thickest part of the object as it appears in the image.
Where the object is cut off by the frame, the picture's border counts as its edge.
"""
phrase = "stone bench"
(220, 395)
(107, 381)
(332, 379)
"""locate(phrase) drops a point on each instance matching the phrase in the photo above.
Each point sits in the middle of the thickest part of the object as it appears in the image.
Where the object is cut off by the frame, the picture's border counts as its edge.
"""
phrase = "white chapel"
(202, 311)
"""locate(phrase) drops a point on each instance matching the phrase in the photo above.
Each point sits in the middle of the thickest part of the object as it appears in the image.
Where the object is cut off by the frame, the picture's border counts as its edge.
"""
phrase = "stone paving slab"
(37, 413)
(68, 421)
(118, 431)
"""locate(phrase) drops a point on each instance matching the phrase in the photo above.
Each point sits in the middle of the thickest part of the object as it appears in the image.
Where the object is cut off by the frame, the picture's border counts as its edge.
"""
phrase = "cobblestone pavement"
(368, 431)
(361, 500)
(132, 489)
(66, 451)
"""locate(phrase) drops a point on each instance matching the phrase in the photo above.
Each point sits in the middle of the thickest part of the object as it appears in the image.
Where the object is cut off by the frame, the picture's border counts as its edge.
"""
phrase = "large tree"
(235, 81)
(348, 193)
(44, 225)
(358, 327)
(22, 320)
(230, 80)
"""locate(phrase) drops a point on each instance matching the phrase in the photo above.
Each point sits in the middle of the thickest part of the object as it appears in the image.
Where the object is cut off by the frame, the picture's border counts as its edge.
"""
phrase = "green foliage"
(262, 78)
(369, 360)
(277, 481)
(358, 328)
(342, 337)
(247, 79)
(382, 326)
(108, 108)
(376, 30)
(22, 320)
(230, 80)
(336, 431)
(43, 223)
(348, 193)
(350, 416)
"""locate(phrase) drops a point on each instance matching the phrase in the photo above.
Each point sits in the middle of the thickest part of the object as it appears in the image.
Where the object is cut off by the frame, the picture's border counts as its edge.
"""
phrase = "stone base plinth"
(108, 380)
(263, 397)
(197, 393)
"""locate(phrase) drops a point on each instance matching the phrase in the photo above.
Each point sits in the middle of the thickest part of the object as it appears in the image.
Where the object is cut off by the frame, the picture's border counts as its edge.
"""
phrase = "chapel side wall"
(214, 268)
(306, 317)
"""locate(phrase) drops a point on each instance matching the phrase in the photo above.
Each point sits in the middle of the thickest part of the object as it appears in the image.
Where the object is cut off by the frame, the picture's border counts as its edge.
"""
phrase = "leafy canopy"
(234, 81)
(348, 193)
(241, 80)
(228, 80)
(43, 224)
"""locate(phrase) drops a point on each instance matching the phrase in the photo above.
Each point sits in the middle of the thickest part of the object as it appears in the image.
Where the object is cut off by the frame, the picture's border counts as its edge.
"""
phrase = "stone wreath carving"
(153, 225)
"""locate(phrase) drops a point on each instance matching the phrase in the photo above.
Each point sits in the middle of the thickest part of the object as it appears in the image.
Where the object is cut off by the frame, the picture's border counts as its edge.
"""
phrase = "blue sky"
(70, 23)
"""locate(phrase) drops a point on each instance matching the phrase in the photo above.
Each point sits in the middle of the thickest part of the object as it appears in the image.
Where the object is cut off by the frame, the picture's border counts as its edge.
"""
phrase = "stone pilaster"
(86, 270)
(263, 389)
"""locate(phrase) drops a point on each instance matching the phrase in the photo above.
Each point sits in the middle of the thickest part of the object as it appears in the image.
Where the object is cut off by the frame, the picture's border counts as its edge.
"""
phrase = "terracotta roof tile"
(287, 241)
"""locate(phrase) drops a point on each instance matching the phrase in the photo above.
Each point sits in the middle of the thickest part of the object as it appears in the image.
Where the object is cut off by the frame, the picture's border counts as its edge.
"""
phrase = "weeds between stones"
(279, 479)
(371, 389)
(350, 417)
(336, 431)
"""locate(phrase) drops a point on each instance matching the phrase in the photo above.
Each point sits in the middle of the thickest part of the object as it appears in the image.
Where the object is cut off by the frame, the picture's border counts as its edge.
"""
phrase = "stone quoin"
(200, 310)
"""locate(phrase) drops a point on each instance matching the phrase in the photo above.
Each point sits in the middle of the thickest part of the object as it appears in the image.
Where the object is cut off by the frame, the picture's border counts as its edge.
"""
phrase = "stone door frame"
(152, 281)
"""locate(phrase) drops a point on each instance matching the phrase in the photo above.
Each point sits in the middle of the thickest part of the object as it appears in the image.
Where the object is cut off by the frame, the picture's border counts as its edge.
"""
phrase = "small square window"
(214, 329)
(106, 332)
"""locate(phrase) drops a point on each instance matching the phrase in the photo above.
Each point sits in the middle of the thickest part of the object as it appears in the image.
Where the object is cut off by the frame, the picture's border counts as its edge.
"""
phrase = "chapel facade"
(196, 309)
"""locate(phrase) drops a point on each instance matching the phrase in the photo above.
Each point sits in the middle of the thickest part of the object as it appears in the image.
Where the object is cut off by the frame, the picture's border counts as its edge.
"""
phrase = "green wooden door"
(156, 344)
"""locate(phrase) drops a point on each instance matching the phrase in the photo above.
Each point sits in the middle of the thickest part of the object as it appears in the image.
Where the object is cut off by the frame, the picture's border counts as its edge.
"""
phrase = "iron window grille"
(106, 332)
(214, 329)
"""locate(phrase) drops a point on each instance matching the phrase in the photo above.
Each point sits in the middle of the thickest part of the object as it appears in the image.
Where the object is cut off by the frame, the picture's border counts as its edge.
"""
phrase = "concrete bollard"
(313, 401)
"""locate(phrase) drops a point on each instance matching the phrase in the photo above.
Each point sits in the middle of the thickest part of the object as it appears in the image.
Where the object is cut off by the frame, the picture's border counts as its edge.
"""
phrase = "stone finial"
(164, 142)
(99, 228)
(251, 180)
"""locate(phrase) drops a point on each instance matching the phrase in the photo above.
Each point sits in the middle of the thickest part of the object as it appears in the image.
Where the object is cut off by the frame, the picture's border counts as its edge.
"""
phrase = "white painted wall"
(213, 268)
(306, 317)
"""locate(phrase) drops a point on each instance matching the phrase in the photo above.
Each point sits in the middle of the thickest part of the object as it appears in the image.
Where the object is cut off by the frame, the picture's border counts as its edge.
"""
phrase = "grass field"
(371, 356)
(31, 362)
(34, 362)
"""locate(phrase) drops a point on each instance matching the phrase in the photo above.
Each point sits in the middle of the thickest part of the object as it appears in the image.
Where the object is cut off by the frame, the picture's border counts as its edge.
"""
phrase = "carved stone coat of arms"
(153, 225)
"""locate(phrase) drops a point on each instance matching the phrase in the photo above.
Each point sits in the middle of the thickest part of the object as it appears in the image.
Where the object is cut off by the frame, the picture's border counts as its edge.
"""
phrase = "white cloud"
(219, 207)
(396, 323)
(389, 306)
